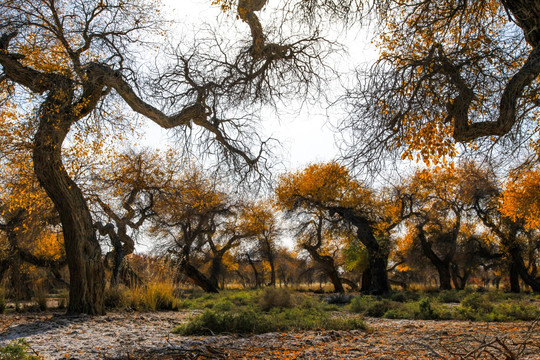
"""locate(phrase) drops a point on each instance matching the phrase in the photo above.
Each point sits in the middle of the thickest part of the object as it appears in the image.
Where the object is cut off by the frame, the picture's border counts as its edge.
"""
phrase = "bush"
(397, 313)
(450, 296)
(477, 302)
(248, 321)
(275, 298)
(404, 296)
(360, 304)
(40, 295)
(114, 298)
(338, 299)
(379, 308)
(17, 350)
(426, 310)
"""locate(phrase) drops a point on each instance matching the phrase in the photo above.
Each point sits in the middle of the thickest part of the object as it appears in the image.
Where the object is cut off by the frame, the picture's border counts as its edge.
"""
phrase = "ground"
(135, 335)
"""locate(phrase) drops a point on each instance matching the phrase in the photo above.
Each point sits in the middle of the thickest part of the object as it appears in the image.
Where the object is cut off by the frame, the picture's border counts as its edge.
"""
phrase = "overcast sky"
(305, 134)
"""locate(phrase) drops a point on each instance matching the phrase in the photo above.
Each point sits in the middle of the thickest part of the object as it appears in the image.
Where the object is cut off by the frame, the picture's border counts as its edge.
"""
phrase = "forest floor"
(136, 335)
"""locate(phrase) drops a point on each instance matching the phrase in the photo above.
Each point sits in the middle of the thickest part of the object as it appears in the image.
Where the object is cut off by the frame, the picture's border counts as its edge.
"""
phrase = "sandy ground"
(135, 335)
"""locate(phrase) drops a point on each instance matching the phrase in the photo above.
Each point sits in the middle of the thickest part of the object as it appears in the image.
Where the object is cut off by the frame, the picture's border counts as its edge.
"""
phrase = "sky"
(305, 133)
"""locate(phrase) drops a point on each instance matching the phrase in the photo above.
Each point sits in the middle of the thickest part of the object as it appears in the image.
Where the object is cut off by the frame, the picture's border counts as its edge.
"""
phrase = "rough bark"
(83, 252)
(198, 278)
(514, 278)
(328, 266)
(441, 264)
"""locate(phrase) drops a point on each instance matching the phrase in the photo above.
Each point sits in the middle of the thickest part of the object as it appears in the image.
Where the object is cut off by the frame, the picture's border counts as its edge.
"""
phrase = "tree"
(440, 203)
(510, 231)
(72, 55)
(122, 192)
(262, 221)
(28, 221)
(449, 71)
(329, 189)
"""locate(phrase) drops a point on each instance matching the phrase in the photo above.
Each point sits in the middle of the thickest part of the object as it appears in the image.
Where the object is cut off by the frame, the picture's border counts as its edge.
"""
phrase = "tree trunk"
(328, 266)
(519, 264)
(445, 280)
(255, 272)
(366, 281)
(216, 269)
(272, 272)
(514, 278)
(83, 253)
(198, 278)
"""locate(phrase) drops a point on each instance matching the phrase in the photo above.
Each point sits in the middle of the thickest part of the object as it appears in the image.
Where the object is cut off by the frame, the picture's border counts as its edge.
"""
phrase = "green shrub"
(338, 299)
(360, 304)
(477, 302)
(450, 296)
(397, 313)
(275, 298)
(248, 321)
(379, 308)
(404, 296)
(426, 309)
(17, 350)
(223, 305)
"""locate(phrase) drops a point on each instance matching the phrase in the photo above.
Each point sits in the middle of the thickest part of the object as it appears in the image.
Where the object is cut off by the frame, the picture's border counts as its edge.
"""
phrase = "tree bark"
(514, 278)
(328, 266)
(198, 278)
(83, 253)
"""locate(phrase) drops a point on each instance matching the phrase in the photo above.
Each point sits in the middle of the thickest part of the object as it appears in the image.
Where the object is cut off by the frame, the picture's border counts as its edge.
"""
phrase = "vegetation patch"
(17, 350)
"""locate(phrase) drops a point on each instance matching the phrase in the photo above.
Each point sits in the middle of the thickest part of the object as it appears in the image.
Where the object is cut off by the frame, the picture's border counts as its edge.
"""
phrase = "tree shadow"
(40, 325)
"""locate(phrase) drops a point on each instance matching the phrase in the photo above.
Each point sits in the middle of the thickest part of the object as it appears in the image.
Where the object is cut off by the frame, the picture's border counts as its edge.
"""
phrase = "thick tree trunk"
(519, 264)
(514, 278)
(366, 281)
(328, 266)
(83, 252)
(198, 278)
(445, 279)
(216, 269)
(377, 261)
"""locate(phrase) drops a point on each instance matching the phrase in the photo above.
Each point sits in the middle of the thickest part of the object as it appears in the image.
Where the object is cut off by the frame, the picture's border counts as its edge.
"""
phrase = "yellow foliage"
(520, 200)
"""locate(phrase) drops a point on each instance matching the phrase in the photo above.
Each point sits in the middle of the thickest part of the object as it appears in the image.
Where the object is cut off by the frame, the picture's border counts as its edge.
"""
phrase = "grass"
(17, 350)
(153, 297)
(268, 311)
(449, 305)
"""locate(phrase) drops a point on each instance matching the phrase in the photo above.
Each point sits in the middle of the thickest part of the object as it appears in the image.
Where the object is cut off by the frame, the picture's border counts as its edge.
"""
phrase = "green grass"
(450, 305)
(17, 350)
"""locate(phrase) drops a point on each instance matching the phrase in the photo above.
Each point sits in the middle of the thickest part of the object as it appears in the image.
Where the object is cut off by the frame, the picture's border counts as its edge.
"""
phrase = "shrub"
(338, 299)
(248, 321)
(397, 313)
(404, 296)
(426, 310)
(360, 304)
(17, 350)
(275, 298)
(158, 297)
(40, 295)
(379, 308)
(477, 302)
(114, 298)
(450, 296)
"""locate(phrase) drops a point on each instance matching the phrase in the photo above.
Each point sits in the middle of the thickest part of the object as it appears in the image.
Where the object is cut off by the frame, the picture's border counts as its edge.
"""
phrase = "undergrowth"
(17, 350)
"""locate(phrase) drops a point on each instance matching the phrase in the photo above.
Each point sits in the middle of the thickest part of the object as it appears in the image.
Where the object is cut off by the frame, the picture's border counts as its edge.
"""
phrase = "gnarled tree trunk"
(83, 253)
